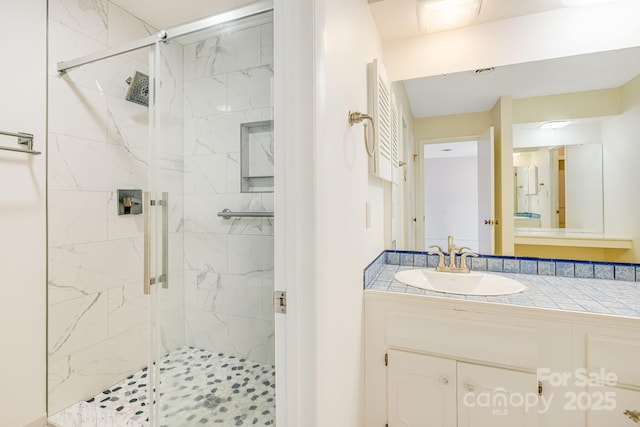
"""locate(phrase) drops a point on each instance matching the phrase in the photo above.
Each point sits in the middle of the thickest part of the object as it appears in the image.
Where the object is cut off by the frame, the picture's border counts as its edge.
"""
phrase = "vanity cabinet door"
(496, 397)
(421, 390)
(606, 405)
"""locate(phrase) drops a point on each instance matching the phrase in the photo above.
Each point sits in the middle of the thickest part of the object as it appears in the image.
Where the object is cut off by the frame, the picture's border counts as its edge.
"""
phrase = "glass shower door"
(211, 225)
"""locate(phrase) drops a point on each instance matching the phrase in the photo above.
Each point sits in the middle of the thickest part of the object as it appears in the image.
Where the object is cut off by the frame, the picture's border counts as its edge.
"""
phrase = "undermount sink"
(473, 283)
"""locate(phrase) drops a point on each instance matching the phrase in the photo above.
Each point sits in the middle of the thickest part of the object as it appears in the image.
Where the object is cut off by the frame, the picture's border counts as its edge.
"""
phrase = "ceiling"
(396, 19)
(164, 14)
(467, 91)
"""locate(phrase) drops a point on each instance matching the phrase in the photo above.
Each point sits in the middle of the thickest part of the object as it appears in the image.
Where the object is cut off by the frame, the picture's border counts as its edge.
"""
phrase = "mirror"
(558, 187)
(569, 180)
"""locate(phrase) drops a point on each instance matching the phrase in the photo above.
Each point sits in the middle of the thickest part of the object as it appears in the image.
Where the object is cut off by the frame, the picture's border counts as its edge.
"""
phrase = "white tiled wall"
(98, 315)
(229, 263)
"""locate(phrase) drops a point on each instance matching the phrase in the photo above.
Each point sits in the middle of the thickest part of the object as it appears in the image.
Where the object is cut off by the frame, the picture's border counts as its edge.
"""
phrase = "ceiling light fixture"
(556, 124)
(440, 15)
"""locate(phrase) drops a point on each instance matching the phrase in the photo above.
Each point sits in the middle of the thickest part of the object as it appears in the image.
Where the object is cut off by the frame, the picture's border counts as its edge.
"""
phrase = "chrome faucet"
(453, 250)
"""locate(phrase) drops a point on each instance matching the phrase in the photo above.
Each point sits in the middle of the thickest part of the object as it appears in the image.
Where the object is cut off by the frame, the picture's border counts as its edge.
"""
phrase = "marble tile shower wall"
(97, 143)
(229, 263)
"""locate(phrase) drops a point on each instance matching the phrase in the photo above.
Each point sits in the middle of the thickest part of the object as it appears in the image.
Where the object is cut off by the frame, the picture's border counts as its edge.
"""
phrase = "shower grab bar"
(25, 139)
(228, 214)
(164, 277)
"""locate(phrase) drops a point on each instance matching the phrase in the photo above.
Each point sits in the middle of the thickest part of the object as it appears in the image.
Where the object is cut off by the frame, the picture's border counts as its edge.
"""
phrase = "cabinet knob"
(444, 380)
(469, 387)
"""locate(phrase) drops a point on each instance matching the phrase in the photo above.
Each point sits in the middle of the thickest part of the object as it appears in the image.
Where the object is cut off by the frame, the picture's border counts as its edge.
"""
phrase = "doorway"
(457, 192)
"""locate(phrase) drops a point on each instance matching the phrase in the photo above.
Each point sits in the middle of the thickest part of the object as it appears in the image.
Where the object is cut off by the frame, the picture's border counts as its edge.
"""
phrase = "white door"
(485, 193)
(496, 397)
(605, 406)
(422, 390)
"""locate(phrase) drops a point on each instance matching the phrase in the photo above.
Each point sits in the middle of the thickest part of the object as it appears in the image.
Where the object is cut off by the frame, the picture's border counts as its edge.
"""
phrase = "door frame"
(419, 187)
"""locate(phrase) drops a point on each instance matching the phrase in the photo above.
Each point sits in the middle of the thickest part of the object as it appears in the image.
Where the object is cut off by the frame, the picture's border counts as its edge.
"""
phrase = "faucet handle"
(463, 260)
(440, 254)
(440, 251)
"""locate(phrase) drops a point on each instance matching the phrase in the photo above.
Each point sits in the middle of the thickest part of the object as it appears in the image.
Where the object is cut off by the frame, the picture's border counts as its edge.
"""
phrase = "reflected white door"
(458, 187)
(486, 207)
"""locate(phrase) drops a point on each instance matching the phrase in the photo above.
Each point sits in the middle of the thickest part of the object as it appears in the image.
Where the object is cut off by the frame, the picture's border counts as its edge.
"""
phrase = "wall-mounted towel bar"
(24, 139)
(228, 214)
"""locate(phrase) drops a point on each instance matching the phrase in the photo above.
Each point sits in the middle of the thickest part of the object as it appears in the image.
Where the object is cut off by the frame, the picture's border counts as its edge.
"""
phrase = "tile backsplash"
(506, 264)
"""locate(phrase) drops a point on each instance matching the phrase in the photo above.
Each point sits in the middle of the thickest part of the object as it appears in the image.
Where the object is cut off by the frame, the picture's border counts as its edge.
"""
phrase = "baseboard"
(38, 422)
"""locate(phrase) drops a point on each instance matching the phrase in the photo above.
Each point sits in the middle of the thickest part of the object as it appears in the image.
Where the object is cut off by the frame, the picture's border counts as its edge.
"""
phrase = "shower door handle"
(146, 209)
(164, 277)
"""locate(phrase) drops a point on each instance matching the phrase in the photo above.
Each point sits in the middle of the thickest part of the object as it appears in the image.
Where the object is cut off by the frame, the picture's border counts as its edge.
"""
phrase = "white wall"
(346, 40)
(621, 147)
(583, 180)
(22, 215)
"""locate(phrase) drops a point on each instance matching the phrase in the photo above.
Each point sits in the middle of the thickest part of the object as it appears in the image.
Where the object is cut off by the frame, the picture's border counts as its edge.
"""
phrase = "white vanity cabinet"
(439, 350)
(612, 360)
(434, 391)
(496, 397)
(421, 388)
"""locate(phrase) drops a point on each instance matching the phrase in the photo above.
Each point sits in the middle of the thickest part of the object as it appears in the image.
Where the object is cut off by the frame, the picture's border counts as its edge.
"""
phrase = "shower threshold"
(197, 387)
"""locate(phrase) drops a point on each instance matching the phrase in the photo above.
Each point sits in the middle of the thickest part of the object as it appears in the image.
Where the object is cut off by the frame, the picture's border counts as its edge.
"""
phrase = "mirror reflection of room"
(558, 187)
(564, 129)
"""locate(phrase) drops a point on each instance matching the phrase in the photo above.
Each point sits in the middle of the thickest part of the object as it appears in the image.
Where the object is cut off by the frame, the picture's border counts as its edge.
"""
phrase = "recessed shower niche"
(256, 151)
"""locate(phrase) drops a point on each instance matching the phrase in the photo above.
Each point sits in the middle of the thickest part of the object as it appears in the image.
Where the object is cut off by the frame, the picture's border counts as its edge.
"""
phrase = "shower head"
(138, 89)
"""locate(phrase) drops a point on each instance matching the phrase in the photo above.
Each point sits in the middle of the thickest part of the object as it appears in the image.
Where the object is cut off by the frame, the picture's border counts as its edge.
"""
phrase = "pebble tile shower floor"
(197, 388)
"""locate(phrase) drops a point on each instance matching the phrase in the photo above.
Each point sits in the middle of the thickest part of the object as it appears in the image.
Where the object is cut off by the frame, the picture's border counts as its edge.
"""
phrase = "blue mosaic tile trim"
(513, 265)
(406, 259)
(625, 272)
(494, 264)
(603, 271)
(584, 270)
(546, 268)
(420, 260)
(565, 269)
(479, 264)
(587, 295)
(374, 268)
(529, 266)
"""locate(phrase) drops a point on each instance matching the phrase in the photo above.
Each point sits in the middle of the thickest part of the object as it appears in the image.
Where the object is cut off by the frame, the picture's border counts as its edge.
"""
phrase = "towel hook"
(357, 117)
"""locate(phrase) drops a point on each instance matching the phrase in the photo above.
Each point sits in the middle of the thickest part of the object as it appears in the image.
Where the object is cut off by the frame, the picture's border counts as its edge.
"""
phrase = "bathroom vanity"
(472, 361)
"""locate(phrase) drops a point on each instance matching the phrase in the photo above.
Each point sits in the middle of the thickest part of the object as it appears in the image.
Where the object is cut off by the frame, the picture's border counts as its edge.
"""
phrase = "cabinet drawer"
(617, 355)
(497, 343)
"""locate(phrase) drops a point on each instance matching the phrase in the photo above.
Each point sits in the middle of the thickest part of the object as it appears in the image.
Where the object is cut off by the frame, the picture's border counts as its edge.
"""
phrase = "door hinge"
(280, 302)
(539, 388)
(386, 359)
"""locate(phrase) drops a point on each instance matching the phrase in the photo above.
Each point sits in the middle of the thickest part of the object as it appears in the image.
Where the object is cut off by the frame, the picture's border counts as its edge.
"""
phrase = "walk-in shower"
(199, 349)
